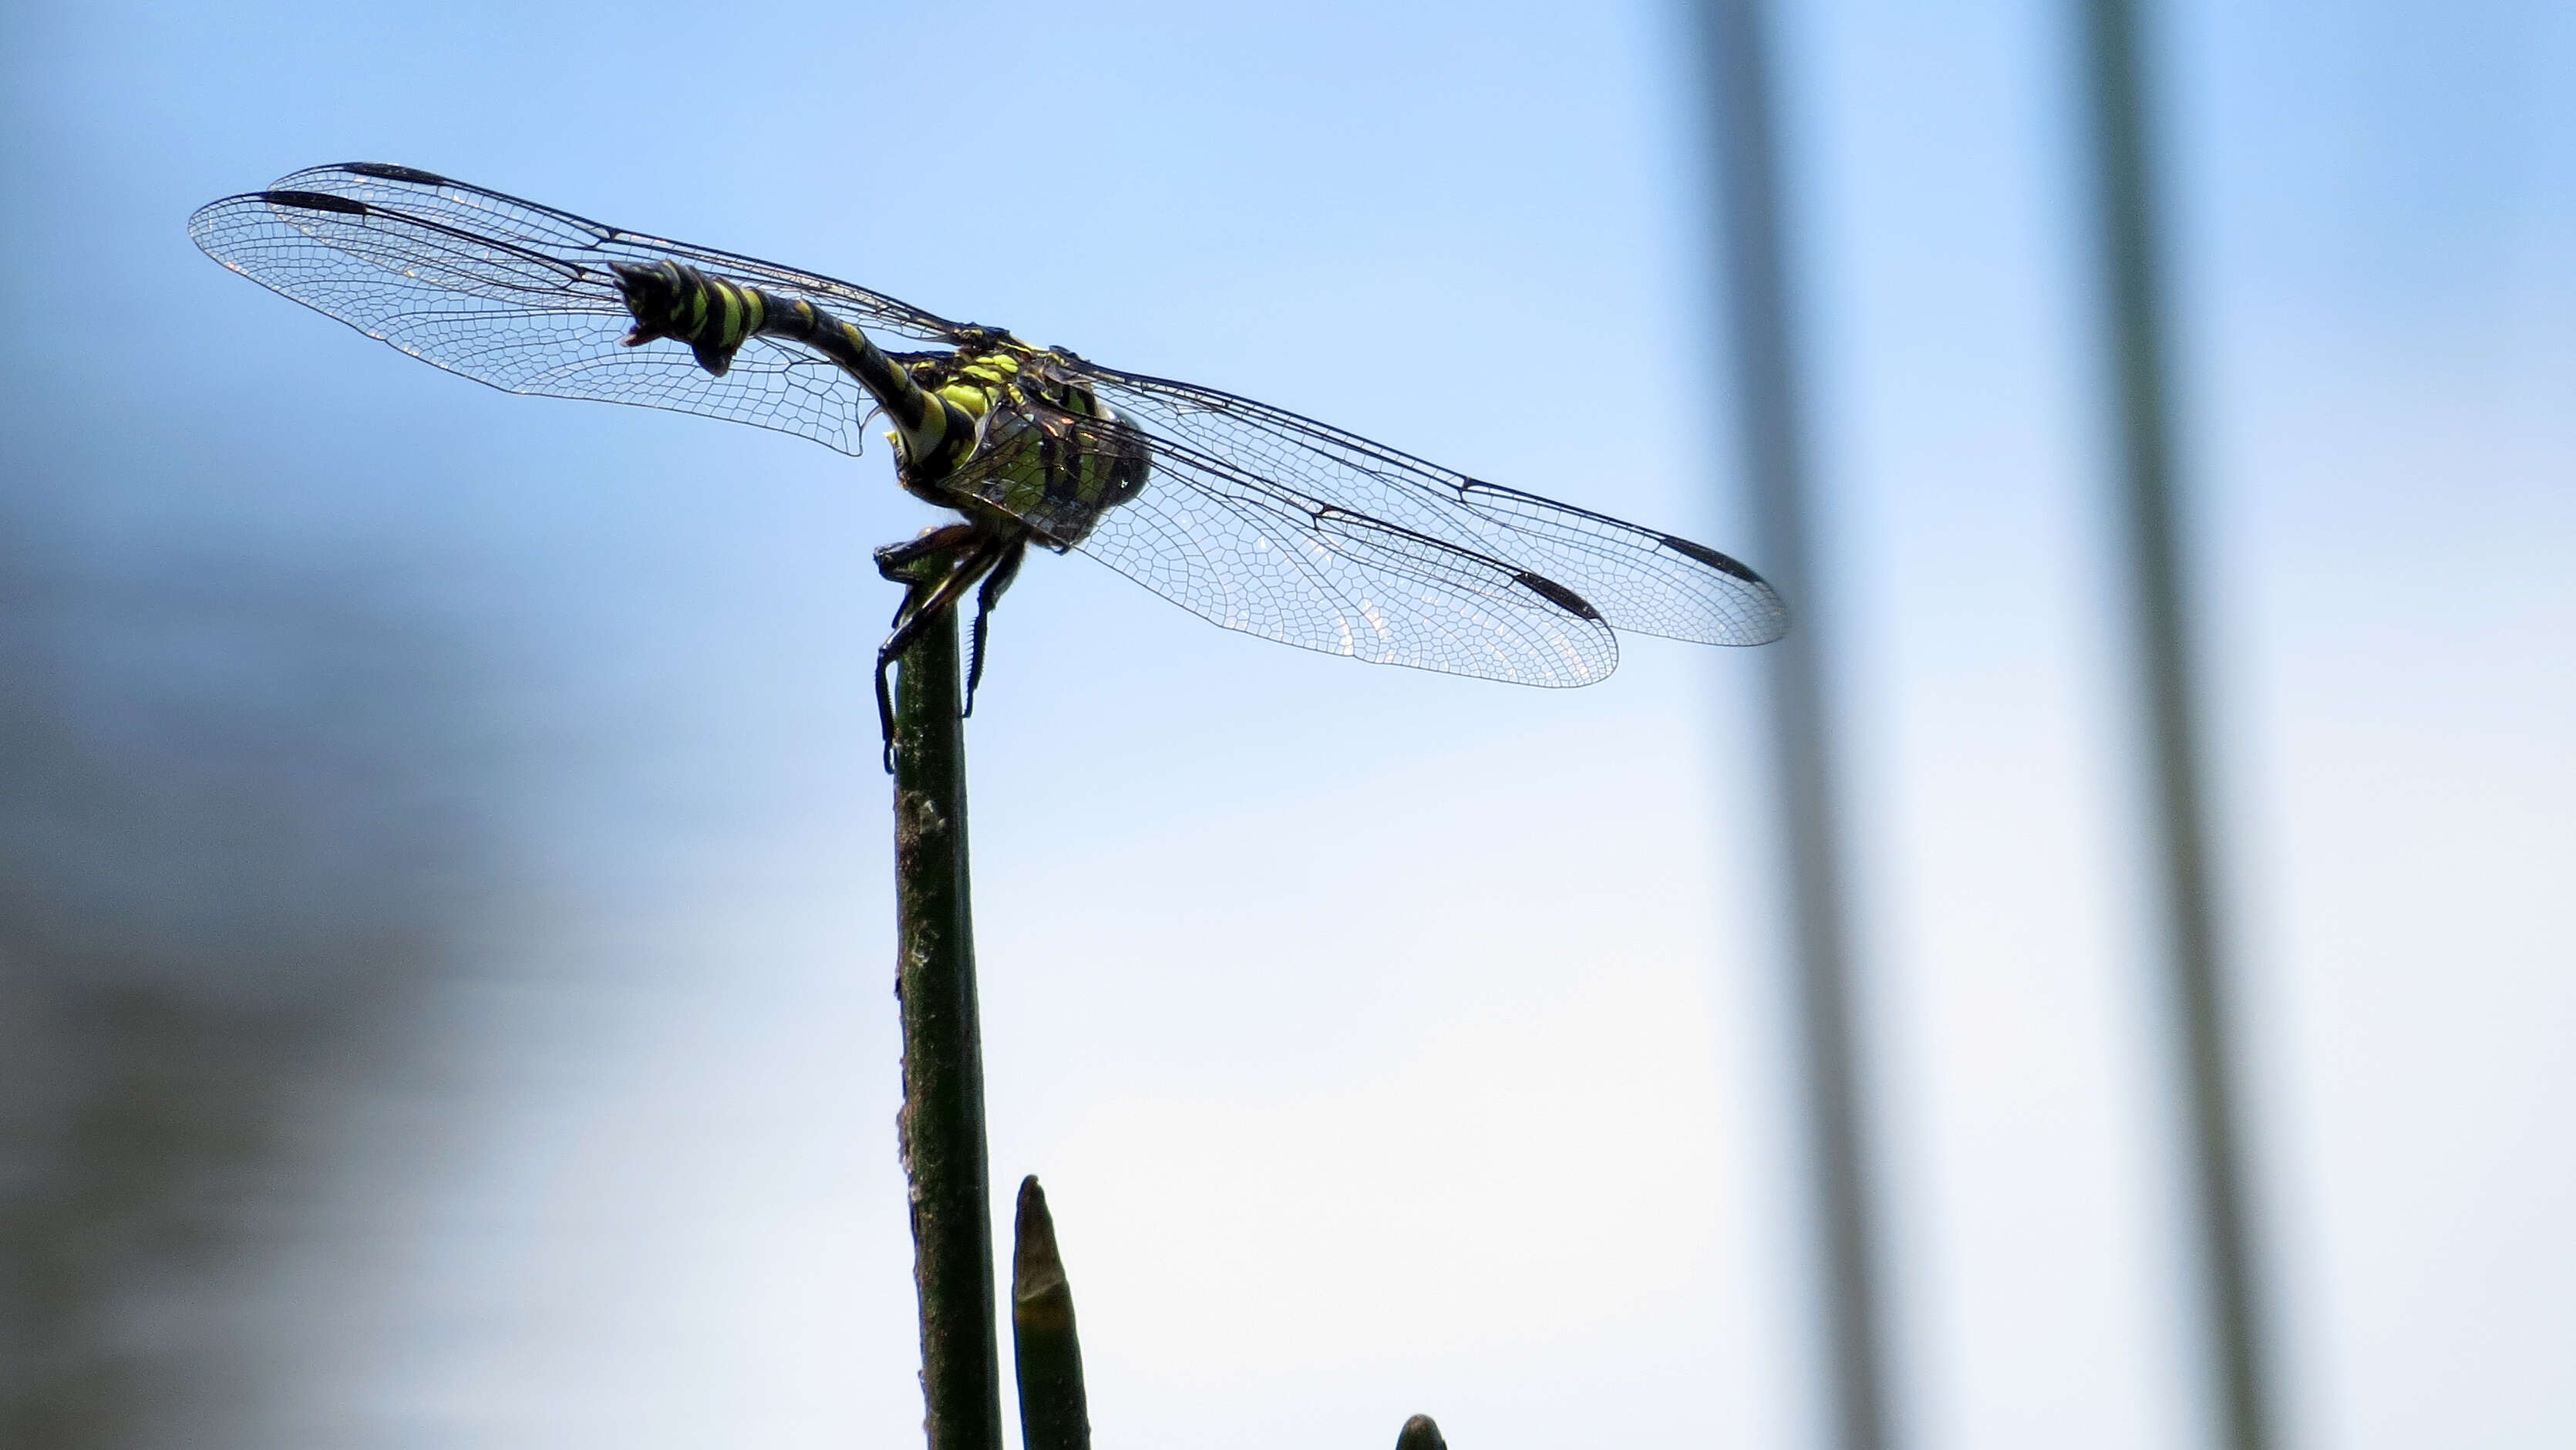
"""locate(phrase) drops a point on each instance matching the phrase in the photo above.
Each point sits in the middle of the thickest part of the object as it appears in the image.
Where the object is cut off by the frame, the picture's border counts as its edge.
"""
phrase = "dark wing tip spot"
(1557, 594)
(385, 172)
(1711, 558)
(314, 201)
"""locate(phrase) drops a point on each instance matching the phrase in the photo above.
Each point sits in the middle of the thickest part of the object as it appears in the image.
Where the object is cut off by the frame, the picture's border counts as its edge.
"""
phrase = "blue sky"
(1374, 969)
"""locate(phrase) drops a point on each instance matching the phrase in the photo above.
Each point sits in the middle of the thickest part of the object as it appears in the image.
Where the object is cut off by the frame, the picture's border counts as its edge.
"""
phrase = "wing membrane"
(520, 296)
(1639, 579)
(1239, 550)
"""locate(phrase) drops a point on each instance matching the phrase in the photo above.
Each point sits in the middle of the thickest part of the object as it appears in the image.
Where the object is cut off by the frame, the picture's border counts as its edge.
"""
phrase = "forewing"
(520, 296)
(1239, 550)
(1639, 579)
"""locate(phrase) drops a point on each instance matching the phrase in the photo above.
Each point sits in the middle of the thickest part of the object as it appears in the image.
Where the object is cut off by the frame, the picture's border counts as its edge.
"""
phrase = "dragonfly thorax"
(1047, 454)
(1001, 373)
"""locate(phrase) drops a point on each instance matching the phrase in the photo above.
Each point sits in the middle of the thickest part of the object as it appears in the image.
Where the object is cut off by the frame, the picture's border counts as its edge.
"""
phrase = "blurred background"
(445, 981)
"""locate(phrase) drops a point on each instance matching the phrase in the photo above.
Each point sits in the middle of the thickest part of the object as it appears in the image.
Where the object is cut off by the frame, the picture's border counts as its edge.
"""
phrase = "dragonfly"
(1247, 515)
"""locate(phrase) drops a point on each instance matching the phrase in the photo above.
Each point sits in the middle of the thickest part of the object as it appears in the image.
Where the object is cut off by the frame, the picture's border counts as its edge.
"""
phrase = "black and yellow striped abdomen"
(715, 317)
(991, 429)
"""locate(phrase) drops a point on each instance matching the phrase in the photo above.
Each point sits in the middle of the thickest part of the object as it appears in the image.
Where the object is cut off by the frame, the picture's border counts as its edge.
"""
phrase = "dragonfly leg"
(895, 561)
(924, 604)
(1005, 569)
(941, 540)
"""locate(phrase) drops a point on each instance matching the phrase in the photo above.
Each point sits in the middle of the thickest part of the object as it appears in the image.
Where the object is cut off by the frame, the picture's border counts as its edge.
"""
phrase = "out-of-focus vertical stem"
(942, 1123)
(2125, 194)
(1768, 423)
(1054, 1413)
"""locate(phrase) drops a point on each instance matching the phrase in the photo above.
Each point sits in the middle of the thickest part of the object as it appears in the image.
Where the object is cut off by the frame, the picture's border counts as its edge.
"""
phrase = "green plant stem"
(942, 1123)
(1054, 1413)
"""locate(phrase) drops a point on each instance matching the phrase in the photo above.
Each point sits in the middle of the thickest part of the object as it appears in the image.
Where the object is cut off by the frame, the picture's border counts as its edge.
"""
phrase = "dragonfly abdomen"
(1028, 434)
(715, 317)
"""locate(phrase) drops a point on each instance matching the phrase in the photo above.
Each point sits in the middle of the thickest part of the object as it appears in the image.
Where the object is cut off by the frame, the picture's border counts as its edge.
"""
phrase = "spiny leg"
(925, 602)
(1005, 569)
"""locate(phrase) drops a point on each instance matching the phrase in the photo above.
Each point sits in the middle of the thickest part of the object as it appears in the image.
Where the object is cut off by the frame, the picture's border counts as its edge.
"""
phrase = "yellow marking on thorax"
(975, 401)
(982, 383)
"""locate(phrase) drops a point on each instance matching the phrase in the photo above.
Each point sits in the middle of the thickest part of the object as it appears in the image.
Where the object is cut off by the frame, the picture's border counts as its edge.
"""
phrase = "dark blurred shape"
(2127, 234)
(1769, 417)
(1420, 1433)
(231, 856)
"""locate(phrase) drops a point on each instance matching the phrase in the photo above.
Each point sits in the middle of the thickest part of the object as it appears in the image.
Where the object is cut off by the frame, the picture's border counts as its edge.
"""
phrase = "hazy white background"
(1390, 1042)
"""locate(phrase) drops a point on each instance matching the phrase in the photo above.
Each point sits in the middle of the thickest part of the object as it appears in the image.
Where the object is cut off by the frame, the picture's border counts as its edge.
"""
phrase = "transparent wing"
(520, 296)
(1240, 550)
(1638, 578)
